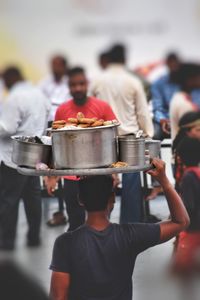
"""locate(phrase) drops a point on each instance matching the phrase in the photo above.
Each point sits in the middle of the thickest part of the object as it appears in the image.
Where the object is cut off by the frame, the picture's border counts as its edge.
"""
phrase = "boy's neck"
(98, 220)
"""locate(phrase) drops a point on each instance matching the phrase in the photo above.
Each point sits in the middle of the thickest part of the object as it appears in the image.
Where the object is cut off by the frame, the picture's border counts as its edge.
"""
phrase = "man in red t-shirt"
(91, 107)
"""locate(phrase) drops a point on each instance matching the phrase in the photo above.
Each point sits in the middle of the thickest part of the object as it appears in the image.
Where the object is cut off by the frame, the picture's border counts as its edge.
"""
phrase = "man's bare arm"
(60, 283)
(179, 217)
(50, 184)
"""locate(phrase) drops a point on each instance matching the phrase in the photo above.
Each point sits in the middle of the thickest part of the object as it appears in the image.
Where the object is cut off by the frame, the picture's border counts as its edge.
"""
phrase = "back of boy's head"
(189, 151)
(95, 191)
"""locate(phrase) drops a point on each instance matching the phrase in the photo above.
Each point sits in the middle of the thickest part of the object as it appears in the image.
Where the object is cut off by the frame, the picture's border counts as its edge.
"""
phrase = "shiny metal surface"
(132, 150)
(84, 148)
(29, 154)
(83, 129)
(154, 147)
(82, 172)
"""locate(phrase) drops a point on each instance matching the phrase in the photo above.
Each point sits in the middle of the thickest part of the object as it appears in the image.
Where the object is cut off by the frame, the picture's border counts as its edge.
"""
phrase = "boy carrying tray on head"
(97, 260)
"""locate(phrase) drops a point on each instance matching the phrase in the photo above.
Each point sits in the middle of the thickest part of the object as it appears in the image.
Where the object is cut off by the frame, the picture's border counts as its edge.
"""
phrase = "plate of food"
(81, 122)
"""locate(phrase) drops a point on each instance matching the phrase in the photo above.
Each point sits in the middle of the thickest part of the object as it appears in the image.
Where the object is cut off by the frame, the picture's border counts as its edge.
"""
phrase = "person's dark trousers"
(31, 196)
(60, 197)
(158, 133)
(76, 212)
(13, 187)
(131, 199)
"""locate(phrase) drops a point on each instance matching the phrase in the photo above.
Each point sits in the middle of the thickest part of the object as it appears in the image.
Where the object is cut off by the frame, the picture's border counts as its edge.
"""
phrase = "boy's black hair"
(95, 191)
(75, 71)
(189, 151)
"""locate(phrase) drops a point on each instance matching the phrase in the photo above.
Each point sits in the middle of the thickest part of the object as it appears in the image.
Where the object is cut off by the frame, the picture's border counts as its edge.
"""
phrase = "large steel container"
(84, 148)
(132, 150)
(153, 146)
(28, 154)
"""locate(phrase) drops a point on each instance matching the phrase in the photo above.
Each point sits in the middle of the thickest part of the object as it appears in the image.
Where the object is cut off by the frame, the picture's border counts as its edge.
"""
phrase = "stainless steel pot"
(153, 146)
(84, 148)
(29, 154)
(132, 150)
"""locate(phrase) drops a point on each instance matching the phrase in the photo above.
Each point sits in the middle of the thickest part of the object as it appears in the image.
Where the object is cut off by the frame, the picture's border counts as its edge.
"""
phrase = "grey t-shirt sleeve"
(142, 236)
(61, 254)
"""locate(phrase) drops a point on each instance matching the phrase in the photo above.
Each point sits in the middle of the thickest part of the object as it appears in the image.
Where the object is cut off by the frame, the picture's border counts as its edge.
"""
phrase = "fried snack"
(73, 120)
(106, 123)
(86, 121)
(97, 123)
(80, 115)
(59, 122)
(58, 126)
(94, 119)
(119, 164)
(83, 125)
(71, 124)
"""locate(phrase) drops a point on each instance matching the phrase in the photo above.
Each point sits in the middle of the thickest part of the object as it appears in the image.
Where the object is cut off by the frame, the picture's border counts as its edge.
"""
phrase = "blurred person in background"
(17, 284)
(103, 60)
(162, 91)
(97, 260)
(189, 125)
(125, 94)
(169, 102)
(55, 87)
(183, 102)
(1, 91)
(24, 113)
(187, 247)
(91, 107)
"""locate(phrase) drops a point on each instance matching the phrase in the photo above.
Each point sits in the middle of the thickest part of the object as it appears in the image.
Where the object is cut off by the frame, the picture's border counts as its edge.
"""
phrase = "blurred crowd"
(162, 99)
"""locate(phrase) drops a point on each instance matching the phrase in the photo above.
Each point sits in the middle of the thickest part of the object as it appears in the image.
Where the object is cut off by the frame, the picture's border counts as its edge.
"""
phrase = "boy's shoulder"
(67, 236)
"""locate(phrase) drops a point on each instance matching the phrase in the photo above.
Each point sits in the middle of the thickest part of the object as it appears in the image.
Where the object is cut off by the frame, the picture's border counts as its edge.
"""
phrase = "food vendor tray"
(82, 172)
(74, 128)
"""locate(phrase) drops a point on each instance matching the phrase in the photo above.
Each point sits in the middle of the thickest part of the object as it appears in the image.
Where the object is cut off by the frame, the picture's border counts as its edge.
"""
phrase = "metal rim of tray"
(83, 129)
(82, 172)
(17, 138)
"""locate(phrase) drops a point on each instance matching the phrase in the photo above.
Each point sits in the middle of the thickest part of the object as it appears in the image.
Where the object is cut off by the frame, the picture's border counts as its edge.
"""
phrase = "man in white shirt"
(25, 112)
(55, 86)
(125, 94)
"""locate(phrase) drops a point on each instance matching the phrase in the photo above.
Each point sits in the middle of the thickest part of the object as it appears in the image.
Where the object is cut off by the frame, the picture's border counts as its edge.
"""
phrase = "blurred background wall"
(31, 31)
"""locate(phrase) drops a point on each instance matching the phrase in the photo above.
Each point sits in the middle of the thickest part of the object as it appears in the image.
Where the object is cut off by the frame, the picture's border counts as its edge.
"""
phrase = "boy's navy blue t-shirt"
(101, 263)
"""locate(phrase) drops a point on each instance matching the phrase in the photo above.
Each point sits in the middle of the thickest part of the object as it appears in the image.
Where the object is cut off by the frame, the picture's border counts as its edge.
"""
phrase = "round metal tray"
(82, 172)
(82, 129)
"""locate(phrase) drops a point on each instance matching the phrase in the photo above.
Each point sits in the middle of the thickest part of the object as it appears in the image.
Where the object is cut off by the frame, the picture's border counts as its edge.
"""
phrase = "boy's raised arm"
(179, 219)
(60, 283)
